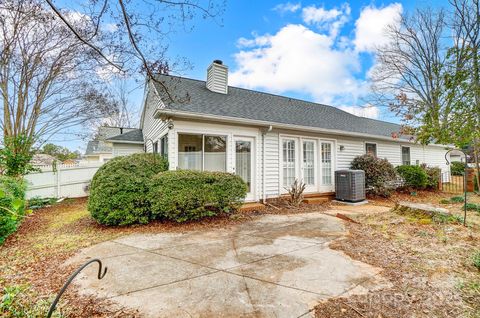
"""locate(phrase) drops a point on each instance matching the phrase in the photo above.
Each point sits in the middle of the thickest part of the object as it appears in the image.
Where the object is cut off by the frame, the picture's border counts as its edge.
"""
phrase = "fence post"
(59, 189)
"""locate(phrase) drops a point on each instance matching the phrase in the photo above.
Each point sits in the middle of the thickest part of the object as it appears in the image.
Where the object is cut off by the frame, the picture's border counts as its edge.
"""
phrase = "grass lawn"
(431, 265)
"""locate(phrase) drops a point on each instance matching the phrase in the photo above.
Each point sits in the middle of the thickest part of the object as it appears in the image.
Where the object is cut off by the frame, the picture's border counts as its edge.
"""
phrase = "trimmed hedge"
(118, 192)
(12, 205)
(414, 176)
(185, 195)
(379, 174)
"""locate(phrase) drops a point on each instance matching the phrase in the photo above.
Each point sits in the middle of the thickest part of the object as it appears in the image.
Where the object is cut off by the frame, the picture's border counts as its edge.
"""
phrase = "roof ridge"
(285, 97)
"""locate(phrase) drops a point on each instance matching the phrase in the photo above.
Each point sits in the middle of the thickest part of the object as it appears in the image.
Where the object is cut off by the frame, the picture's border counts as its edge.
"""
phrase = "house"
(101, 149)
(42, 159)
(268, 140)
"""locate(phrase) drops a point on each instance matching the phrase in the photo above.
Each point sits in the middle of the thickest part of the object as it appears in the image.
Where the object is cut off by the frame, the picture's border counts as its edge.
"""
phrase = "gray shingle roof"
(135, 135)
(249, 104)
(97, 146)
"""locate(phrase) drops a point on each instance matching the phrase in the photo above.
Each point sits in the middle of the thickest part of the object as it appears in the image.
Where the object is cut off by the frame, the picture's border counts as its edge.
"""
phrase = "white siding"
(272, 164)
(153, 128)
(126, 149)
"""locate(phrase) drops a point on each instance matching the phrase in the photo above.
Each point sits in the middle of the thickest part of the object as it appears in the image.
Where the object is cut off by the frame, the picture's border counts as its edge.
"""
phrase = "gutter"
(271, 125)
(125, 142)
(264, 169)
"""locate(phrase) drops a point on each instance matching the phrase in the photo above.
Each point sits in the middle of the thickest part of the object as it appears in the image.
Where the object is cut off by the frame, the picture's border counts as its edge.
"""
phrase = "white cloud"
(287, 7)
(368, 111)
(331, 20)
(301, 60)
(313, 14)
(315, 58)
(371, 26)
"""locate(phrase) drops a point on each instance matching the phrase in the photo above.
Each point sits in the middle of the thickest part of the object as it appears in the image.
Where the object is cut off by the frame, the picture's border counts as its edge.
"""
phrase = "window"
(155, 147)
(288, 149)
(327, 168)
(371, 149)
(164, 146)
(309, 162)
(202, 152)
(406, 156)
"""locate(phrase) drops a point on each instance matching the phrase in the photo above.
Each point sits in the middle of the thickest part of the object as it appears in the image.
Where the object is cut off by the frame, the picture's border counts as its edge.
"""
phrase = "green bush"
(12, 205)
(433, 176)
(457, 168)
(414, 176)
(473, 207)
(379, 174)
(457, 199)
(118, 191)
(476, 260)
(185, 195)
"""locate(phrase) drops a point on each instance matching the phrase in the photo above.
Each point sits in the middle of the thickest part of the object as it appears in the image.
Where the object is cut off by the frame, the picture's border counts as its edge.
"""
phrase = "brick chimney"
(217, 77)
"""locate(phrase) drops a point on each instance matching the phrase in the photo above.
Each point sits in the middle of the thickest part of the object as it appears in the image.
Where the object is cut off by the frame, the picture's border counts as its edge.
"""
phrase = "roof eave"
(125, 142)
(254, 122)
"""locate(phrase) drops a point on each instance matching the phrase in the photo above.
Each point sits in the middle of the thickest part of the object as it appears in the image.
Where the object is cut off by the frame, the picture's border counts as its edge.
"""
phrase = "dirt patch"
(428, 264)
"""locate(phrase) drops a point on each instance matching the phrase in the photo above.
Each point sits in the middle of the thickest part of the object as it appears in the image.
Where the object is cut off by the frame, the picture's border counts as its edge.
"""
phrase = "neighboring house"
(41, 159)
(268, 140)
(101, 149)
(457, 155)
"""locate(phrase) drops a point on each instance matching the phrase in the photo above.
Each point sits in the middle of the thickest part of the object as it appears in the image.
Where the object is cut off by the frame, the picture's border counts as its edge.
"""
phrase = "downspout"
(264, 195)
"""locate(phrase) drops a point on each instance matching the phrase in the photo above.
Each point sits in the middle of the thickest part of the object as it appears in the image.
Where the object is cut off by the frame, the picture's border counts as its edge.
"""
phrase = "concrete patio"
(275, 266)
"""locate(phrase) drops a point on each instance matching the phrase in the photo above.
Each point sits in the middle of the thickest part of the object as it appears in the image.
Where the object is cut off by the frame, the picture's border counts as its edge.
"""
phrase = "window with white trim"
(371, 149)
(202, 152)
(406, 156)
(164, 146)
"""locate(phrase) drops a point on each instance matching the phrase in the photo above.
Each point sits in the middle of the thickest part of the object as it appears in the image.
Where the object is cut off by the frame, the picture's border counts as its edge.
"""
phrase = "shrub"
(473, 207)
(12, 205)
(185, 195)
(476, 260)
(444, 201)
(457, 199)
(433, 176)
(457, 168)
(379, 174)
(118, 191)
(414, 176)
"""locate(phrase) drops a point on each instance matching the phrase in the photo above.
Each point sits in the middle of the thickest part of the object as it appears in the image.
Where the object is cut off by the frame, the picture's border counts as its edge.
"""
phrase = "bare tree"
(118, 111)
(47, 77)
(464, 83)
(409, 76)
(141, 32)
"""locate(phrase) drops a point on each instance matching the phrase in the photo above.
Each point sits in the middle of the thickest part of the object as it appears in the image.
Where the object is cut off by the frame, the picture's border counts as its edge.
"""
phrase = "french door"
(307, 160)
(327, 166)
(244, 163)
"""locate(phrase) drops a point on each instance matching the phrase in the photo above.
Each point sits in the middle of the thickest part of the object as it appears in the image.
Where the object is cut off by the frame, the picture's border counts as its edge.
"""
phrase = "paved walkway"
(275, 266)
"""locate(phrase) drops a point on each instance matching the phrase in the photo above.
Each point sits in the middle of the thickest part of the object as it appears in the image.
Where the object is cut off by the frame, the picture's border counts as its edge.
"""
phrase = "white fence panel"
(68, 181)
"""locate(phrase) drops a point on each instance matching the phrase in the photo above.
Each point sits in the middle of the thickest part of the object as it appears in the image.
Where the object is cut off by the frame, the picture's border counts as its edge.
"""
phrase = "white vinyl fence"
(70, 181)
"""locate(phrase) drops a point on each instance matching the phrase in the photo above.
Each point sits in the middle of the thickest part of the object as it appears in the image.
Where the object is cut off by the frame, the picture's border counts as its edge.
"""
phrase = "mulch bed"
(426, 264)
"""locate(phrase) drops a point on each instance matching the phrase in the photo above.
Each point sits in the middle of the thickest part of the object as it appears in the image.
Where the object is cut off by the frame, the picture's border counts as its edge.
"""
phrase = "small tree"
(16, 155)
(59, 152)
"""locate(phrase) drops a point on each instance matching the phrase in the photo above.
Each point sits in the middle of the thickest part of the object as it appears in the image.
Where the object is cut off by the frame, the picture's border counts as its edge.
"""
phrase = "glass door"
(289, 162)
(244, 163)
(309, 170)
(327, 165)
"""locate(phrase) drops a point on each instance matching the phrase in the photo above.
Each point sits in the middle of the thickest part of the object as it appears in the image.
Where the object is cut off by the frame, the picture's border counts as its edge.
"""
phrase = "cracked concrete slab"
(274, 266)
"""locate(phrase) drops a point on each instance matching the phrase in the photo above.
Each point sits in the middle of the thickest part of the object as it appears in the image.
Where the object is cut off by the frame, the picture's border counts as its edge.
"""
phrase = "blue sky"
(317, 51)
